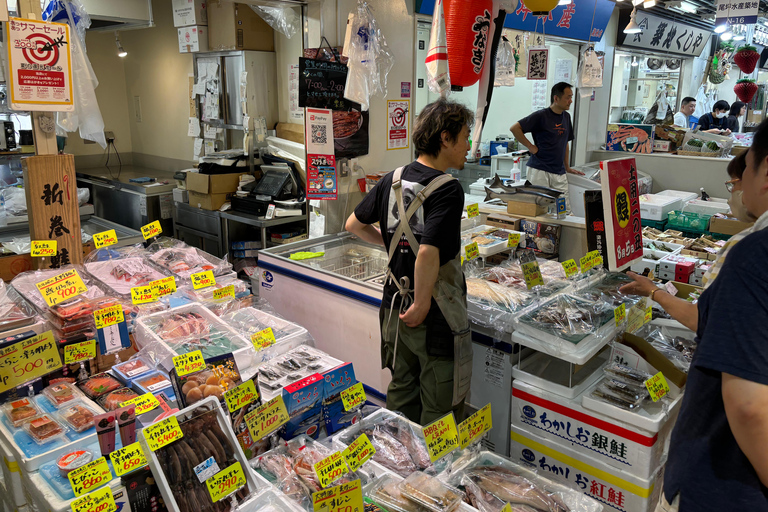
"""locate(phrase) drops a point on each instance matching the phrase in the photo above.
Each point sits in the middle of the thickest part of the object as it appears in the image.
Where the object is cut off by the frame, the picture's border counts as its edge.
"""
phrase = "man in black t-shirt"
(417, 341)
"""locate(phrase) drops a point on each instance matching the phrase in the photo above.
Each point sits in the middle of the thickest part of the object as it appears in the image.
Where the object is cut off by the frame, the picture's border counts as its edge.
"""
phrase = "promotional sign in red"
(321, 160)
(621, 206)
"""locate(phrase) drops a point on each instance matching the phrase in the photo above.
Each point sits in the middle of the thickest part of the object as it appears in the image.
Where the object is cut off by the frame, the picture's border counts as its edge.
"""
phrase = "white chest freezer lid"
(658, 200)
(680, 194)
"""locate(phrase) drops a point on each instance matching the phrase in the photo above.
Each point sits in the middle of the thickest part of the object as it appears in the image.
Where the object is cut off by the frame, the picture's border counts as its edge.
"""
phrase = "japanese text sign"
(163, 287)
(151, 229)
(242, 395)
(267, 418)
(663, 35)
(473, 428)
(347, 497)
(442, 437)
(98, 501)
(657, 386)
(226, 482)
(203, 279)
(144, 403)
(331, 469)
(143, 294)
(105, 238)
(359, 452)
(190, 362)
(61, 287)
(619, 314)
(472, 251)
(112, 315)
(90, 477)
(736, 12)
(353, 396)
(223, 293)
(28, 359)
(263, 339)
(621, 209)
(77, 352)
(43, 248)
(513, 240)
(321, 157)
(398, 124)
(128, 458)
(322, 83)
(570, 268)
(473, 210)
(162, 433)
(532, 274)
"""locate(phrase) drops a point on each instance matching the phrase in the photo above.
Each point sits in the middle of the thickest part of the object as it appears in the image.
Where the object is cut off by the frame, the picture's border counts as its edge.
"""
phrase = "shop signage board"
(321, 159)
(662, 35)
(398, 124)
(321, 84)
(40, 65)
(741, 13)
(621, 211)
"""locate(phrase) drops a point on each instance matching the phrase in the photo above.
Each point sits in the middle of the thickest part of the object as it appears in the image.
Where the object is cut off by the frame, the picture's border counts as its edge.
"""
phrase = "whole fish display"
(489, 488)
(499, 183)
(521, 194)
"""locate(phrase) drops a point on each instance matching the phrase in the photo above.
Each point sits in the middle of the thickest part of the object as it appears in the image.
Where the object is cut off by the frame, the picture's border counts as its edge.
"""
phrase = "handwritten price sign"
(570, 268)
(151, 229)
(62, 287)
(532, 274)
(657, 386)
(190, 362)
(162, 433)
(359, 452)
(267, 418)
(353, 396)
(473, 428)
(347, 497)
(89, 477)
(43, 248)
(128, 459)
(82, 351)
(203, 279)
(473, 210)
(226, 482)
(105, 239)
(225, 292)
(648, 314)
(590, 260)
(242, 395)
(331, 469)
(619, 314)
(513, 240)
(28, 359)
(112, 315)
(98, 501)
(442, 437)
(163, 287)
(472, 251)
(263, 339)
(144, 403)
(142, 295)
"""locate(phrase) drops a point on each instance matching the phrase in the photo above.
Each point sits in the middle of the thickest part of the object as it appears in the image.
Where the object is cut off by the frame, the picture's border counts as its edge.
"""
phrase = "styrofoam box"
(676, 248)
(193, 39)
(669, 263)
(679, 194)
(541, 370)
(694, 280)
(566, 422)
(45, 498)
(666, 275)
(614, 488)
(710, 207)
(189, 12)
(12, 476)
(655, 207)
(639, 266)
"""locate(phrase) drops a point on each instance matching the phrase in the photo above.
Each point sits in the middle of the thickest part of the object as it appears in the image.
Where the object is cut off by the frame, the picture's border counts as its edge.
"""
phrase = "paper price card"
(648, 314)
(513, 240)
(108, 316)
(28, 359)
(144, 403)
(223, 293)
(43, 248)
(585, 262)
(442, 437)
(570, 268)
(89, 477)
(532, 274)
(507, 508)
(347, 497)
(619, 314)
(128, 458)
(331, 469)
(472, 251)
(61, 287)
(359, 452)
(143, 295)
(98, 501)
(105, 239)
(473, 428)
(151, 229)
(242, 395)
(657, 386)
(82, 351)
(203, 279)
(163, 287)
(162, 433)
(226, 482)
(353, 396)
(263, 339)
(473, 210)
(267, 418)
(189, 363)
(635, 316)
(597, 261)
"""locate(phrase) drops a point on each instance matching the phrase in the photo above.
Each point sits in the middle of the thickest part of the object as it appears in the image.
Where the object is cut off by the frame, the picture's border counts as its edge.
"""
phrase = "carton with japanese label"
(303, 401)
(337, 380)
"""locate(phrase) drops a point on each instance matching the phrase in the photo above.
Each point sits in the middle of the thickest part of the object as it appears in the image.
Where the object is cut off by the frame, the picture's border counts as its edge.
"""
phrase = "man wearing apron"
(425, 339)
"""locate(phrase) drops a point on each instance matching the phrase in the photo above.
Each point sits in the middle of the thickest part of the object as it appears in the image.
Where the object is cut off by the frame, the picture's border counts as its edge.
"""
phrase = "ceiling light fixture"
(721, 28)
(637, 2)
(634, 61)
(727, 35)
(632, 27)
(120, 51)
(649, 3)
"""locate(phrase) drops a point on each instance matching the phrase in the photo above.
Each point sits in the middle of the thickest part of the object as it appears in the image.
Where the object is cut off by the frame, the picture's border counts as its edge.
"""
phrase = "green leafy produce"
(696, 143)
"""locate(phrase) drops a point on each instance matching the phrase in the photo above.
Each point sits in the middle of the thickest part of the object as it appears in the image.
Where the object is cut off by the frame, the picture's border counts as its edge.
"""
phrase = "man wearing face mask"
(717, 120)
(680, 309)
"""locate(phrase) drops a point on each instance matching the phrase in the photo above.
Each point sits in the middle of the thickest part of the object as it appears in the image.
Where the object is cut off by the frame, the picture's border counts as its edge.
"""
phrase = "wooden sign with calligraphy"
(52, 206)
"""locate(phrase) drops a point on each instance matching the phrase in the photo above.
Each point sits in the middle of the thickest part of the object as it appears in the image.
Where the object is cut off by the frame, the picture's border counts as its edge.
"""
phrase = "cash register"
(277, 183)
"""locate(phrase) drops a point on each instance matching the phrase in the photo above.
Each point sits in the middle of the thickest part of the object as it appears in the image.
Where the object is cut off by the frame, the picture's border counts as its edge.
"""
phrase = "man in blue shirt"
(552, 130)
(718, 455)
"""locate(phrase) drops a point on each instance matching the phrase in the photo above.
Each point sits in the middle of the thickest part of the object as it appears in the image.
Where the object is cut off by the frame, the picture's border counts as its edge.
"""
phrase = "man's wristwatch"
(654, 292)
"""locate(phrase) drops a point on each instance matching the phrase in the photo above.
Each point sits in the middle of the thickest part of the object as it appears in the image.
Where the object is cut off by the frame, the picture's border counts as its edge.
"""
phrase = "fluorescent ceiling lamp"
(120, 51)
(721, 28)
(632, 27)
(726, 36)
(687, 7)
(649, 3)
(634, 61)
(739, 37)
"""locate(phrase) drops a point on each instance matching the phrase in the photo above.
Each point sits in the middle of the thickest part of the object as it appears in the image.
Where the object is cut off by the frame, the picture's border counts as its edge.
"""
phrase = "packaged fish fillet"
(430, 492)
(626, 374)
(20, 410)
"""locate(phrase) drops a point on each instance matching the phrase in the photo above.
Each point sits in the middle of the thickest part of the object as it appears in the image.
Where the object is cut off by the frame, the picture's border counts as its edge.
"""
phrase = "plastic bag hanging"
(438, 76)
(369, 58)
(590, 69)
(506, 64)
(283, 19)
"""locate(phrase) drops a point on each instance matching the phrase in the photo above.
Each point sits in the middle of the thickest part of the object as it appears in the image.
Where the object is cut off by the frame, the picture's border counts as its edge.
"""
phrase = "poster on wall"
(294, 110)
(398, 127)
(40, 65)
(621, 211)
(519, 41)
(321, 161)
(538, 59)
(350, 133)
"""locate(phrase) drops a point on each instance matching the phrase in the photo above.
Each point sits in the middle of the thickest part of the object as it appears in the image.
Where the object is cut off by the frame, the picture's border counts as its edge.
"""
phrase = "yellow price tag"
(128, 458)
(82, 351)
(61, 287)
(144, 403)
(513, 240)
(331, 469)
(347, 497)
(28, 359)
(43, 248)
(657, 386)
(598, 261)
(473, 210)
(442, 437)
(151, 229)
(473, 428)
(203, 279)
(472, 251)
(353, 396)
(143, 295)
(585, 262)
(507, 508)
(263, 339)
(105, 239)
(190, 362)
(619, 314)
(163, 287)
(226, 482)
(89, 477)
(98, 501)
(532, 274)
(242, 395)
(359, 452)
(112, 315)
(648, 314)
(162, 433)
(570, 268)
(223, 293)
(267, 418)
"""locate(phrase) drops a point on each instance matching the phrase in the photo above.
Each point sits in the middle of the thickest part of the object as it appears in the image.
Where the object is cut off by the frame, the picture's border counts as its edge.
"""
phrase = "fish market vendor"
(552, 130)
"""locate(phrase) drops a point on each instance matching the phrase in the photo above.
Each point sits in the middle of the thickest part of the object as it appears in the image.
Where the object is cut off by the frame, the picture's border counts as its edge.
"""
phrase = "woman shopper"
(738, 109)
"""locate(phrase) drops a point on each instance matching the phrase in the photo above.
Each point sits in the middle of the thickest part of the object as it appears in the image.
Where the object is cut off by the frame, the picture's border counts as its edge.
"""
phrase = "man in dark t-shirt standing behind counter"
(552, 130)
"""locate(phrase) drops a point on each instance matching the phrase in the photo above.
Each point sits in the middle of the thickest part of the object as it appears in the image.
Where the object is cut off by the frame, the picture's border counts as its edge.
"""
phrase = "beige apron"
(448, 291)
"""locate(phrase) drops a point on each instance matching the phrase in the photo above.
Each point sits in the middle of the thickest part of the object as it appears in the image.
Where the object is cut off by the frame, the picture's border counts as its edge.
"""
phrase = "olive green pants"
(422, 385)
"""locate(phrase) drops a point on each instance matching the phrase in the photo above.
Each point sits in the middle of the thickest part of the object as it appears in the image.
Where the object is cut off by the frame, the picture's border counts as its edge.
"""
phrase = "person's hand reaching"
(640, 286)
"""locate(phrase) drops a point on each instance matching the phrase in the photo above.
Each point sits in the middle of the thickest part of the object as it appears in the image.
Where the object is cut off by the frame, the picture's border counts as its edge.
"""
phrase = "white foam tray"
(578, 353)
(542, 383)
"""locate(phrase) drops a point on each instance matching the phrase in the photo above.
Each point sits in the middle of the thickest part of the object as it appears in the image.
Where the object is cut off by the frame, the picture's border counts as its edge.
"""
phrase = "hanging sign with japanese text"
(321, 159)
(322, 83)
(40, 67)
(736, 13)
(662, 35)
(621, 209)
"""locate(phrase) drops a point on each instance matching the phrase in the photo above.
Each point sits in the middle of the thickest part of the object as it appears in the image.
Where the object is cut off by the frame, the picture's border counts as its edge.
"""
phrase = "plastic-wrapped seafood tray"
(285, 369)
(490, 239)
(187, 328)
(15, 312)
(386, 491)
(566, 319)
(288, 335)
(25, 282)
(183, 260)
(268, 500)
(120, 275)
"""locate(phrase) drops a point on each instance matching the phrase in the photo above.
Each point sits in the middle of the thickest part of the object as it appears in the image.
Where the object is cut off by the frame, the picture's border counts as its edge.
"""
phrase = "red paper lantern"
(467, 31)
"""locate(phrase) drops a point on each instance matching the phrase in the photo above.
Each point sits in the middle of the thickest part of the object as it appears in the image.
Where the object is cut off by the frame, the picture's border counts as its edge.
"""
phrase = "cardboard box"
(666, 275)
(683, 277)
(235, 26)
(189, 12)
(702, 255)
(193, 39)
(502, 221)
(303, 401)
(694, 280)
(296, 238)
(210, 202)
(527, 209)
(241, 246)
(728, 226)
(675, 263)
(684, 289)
(337, 380)
(180, 196)
(662, 146)
(245, 253)
(210, 191)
